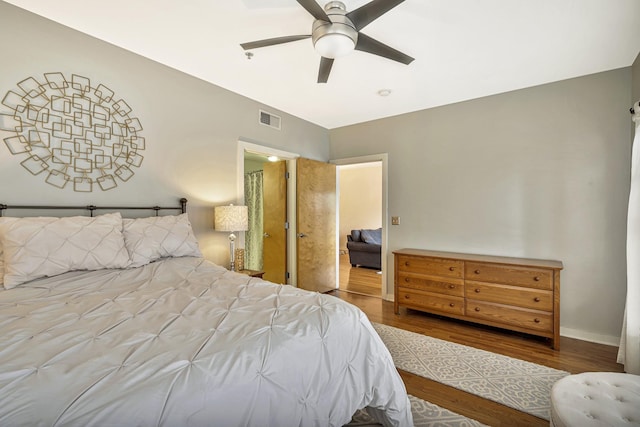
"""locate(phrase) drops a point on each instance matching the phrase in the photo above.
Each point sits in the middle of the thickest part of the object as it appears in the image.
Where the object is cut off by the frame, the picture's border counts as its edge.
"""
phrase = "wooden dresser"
(513, 293)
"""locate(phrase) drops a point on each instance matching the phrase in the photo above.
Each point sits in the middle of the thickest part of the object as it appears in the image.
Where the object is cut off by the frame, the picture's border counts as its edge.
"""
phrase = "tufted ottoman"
(596, 399)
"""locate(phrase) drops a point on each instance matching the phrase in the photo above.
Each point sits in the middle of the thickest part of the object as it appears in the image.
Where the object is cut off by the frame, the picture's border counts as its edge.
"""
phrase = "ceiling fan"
(336, 32)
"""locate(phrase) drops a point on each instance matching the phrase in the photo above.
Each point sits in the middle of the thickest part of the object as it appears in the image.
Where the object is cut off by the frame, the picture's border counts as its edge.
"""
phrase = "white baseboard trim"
(591, 337)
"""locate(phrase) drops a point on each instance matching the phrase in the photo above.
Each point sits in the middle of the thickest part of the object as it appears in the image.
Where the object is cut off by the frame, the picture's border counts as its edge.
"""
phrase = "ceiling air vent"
(269, 119)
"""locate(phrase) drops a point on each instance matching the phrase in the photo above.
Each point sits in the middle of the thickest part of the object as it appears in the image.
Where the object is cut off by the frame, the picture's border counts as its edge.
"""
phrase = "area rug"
(425, 414)
(521, 385)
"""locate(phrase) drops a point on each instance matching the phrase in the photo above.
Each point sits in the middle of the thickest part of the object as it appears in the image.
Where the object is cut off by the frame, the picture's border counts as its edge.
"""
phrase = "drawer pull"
(451, 304)
(406, 297)
(477, 309)
(536, 320)
(477, 291)
(451, 268)
(477, 271)
(536, 279)
(536, 299)
(406, 279)
(452, 286)
(406, 263)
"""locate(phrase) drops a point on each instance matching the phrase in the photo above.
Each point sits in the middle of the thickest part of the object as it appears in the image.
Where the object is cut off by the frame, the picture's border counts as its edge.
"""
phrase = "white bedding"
(182, 342)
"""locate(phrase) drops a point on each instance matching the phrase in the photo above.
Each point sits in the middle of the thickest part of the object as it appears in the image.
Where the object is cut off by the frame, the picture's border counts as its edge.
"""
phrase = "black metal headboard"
(93, 208)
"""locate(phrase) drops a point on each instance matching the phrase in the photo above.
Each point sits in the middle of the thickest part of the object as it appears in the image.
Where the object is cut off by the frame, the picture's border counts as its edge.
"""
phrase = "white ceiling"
(464, 49)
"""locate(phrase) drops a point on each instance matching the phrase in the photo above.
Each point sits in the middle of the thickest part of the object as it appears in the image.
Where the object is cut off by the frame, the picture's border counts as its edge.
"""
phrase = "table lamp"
(231, 218)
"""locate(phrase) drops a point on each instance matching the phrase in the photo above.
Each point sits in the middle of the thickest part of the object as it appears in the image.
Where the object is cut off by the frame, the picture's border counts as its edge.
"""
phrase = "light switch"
(395, 220)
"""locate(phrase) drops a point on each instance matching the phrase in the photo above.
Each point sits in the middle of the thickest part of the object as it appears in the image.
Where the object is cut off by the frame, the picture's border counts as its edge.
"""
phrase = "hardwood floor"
(574, 356)
(360, 280)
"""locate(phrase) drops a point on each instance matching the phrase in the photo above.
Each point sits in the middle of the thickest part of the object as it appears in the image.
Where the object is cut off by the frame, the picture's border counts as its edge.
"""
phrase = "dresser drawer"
(530, 277)
(431, 284)
(537, 299)
(431, 266)
(510, 316)
(431, 302)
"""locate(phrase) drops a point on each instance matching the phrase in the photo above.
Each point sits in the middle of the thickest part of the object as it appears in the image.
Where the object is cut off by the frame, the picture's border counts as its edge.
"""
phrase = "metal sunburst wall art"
(72, 132)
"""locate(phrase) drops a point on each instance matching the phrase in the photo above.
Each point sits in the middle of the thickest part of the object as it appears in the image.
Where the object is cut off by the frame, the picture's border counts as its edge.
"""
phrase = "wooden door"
(316, 225)
(274, 194)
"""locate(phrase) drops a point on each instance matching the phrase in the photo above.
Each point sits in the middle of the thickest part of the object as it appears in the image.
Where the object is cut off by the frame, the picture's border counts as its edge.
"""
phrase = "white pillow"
(3, 220)
(44, 246)
(149, 239)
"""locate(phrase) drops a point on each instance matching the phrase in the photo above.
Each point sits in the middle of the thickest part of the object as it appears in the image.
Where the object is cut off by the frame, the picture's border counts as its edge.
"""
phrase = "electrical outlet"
(395, 220)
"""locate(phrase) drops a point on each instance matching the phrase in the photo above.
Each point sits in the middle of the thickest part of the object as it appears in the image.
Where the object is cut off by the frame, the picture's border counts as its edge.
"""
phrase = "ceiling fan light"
(334, 45)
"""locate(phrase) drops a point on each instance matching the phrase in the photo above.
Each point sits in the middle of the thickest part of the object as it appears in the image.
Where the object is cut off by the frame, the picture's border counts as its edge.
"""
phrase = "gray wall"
(540, 172)
(191, 127)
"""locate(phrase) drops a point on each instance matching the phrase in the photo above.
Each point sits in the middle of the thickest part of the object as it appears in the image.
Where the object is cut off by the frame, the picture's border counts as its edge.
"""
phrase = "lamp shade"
(231, 218)
(334, 45)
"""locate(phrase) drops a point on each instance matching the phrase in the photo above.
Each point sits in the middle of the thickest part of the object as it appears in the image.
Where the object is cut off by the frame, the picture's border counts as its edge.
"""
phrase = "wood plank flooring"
(360, 280)
(574, 356)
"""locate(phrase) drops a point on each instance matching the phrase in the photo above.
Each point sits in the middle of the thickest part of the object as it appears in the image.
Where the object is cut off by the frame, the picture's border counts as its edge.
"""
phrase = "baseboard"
(591, 337)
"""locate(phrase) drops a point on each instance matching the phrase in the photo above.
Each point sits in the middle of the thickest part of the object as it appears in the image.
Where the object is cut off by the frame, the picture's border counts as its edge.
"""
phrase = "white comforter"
(183, 342)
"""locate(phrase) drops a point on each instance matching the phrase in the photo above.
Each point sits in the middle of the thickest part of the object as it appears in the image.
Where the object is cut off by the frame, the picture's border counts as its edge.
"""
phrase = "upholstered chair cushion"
(596, 399)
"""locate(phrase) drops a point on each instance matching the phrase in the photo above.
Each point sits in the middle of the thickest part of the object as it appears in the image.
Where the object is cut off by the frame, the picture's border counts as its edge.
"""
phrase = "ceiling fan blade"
(364, 15)
(270, 42)
(315, 9)
(325, 69)
(369, 45)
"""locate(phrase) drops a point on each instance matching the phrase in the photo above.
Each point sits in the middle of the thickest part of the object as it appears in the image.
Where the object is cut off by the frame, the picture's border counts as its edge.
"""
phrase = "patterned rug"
(521, 385)
(425, 414)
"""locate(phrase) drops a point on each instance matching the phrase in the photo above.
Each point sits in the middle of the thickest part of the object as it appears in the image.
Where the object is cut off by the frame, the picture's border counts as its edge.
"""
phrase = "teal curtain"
(253, 237)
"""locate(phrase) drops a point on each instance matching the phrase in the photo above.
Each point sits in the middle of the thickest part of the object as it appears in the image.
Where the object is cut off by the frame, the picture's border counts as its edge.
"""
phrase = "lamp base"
(232, 244)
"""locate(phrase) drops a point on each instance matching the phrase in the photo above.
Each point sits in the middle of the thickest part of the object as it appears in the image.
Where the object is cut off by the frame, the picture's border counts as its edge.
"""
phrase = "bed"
(167, 338)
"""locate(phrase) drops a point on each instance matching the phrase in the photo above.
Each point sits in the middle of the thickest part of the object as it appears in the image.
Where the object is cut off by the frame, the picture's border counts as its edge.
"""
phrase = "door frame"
(244, 146)
(384, 158)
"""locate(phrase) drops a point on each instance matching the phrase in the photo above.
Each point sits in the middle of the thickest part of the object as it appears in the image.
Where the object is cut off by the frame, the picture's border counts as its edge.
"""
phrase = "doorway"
(252, 159)
(291, 160)
(363, 205)
(360, 192)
